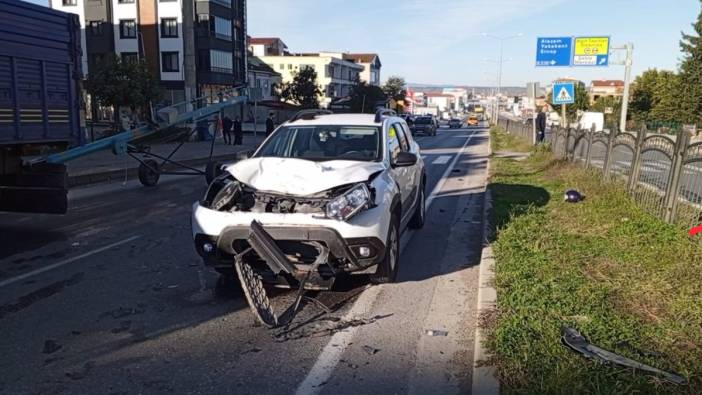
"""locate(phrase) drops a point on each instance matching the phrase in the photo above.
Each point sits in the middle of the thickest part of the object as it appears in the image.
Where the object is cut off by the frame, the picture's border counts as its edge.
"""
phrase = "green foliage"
(602, 103)
(582, 101)
(655, 97)
(395, 88)
(690, 96)
(365, 98)
(123, 84)
(303, 90)
(626, 280)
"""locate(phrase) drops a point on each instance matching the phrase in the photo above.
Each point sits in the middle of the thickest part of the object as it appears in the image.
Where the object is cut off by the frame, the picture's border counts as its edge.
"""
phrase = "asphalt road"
(113, 299)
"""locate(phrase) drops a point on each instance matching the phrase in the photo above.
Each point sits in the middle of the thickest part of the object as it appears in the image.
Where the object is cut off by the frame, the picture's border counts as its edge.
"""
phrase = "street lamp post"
(501, 39)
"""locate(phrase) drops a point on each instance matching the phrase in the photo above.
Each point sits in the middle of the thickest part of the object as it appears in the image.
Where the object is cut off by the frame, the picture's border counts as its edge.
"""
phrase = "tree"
(666, 105)
(303, 90)
(114, 83)
(582, 101)
(643, 96)
(614, 103)
(365, 98)
(690, 81)
(395, 88)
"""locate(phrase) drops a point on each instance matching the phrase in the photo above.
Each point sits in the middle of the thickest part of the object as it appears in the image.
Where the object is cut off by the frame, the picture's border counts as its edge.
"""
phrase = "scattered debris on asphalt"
(252, 350)
(573, 196)
(370, 350)
(121, 312)
(51, 347)
(573, 339)
(435, 332)
(339, 324)
(123, 327)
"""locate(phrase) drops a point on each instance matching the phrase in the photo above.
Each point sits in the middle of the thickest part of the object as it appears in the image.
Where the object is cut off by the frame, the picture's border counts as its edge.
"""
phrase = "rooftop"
(264, 40)
(602, 83)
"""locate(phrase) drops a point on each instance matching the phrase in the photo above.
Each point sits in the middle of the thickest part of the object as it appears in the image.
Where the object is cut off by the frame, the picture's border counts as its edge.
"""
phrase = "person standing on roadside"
(270, 125)
(227, 130)
(541, 125)
(238, 132)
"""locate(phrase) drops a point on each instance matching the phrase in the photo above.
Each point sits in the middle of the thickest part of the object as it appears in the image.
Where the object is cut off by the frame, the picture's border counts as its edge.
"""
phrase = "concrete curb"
(484, 376)
(133, 172)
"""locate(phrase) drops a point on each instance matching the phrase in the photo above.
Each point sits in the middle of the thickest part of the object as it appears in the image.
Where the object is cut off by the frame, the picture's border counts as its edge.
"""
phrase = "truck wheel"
(388, 268)
(149, 173)
(256, 295)
(212, 171)
(417, 221)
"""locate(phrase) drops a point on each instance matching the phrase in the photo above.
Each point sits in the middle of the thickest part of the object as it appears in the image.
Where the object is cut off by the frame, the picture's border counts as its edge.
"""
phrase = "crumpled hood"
(299, 177)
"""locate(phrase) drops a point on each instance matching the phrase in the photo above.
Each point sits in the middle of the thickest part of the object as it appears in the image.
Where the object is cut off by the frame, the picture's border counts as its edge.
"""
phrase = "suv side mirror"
(405, 159)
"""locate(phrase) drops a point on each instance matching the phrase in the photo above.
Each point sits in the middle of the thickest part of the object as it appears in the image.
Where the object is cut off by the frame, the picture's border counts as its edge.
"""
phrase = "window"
(221, 61)
(127, 28)
(306, 66)
(95, 28)
(169, 62)
(226, 3)
(223, 28)
(169, 27)
(125, 1)
(70, 2)
(323, 143)
(129, 57)
(282, 66)
(401, 135)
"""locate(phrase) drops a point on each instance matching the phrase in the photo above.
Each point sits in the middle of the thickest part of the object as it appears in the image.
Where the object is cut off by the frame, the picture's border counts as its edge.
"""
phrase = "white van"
(588, 118)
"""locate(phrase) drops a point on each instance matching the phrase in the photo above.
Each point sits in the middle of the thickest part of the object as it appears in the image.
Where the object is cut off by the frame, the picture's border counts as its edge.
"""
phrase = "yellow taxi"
(473, 121)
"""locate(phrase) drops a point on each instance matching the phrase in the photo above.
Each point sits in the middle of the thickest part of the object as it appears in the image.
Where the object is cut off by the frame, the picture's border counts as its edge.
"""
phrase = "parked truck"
(40, 104)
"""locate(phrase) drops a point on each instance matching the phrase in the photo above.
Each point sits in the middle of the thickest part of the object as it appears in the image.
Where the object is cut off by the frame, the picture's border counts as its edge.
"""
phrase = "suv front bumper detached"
(284, 255)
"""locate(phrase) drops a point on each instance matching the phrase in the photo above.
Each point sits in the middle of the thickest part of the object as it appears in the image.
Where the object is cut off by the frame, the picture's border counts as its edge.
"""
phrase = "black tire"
(149, 173)
(256, 295)
(417, 220)
(212, 171)
(387, 269)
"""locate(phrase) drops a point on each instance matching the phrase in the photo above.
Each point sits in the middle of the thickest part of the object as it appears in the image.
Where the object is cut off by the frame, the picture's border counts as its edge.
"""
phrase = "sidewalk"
(104, 166)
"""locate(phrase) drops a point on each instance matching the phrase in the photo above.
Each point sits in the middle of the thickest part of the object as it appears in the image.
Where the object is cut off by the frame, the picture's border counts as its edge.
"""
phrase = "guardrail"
(663, 174)
(523, 129)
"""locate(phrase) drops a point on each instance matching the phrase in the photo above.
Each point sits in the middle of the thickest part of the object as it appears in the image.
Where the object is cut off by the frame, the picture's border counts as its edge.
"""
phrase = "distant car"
(473, 121)
(424, 125)
(455, 123)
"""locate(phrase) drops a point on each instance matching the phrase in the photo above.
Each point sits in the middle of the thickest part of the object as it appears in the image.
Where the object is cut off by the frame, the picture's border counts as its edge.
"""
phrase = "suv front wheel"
(388, 268)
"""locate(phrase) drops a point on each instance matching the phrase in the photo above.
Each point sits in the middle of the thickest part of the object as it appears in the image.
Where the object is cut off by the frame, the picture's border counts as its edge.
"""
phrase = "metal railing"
(662, 173)
(523, 129)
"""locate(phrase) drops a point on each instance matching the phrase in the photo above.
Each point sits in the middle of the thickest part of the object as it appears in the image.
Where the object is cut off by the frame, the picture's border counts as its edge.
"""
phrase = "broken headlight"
(347, 205)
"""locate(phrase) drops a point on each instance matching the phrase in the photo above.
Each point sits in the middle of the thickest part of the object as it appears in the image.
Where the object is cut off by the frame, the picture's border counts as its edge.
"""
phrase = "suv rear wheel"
(417, 220)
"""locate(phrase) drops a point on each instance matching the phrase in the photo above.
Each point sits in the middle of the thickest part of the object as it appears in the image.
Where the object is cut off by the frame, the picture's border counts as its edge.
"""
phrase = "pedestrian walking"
(541, 125)
(238, 132)
(227, 130)
(270, 125)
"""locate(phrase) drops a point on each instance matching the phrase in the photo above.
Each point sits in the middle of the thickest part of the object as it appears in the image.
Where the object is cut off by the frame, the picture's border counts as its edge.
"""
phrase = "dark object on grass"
(573, 339)
(573, 196)
(370, 350)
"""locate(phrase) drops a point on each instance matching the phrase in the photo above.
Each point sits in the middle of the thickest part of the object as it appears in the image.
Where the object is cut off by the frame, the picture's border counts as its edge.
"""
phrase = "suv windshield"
(322, 143)
(423, 120)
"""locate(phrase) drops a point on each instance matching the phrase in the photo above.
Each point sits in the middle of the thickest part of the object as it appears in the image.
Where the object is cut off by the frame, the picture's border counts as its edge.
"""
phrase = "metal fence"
(662, 173)
(523, 129)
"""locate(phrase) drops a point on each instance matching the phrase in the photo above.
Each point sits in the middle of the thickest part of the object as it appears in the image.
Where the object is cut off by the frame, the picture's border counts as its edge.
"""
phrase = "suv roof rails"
(384, 112)
(309, 114)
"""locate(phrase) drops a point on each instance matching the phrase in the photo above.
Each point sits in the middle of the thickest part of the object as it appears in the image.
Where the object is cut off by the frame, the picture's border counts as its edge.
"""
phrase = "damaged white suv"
(325, 194)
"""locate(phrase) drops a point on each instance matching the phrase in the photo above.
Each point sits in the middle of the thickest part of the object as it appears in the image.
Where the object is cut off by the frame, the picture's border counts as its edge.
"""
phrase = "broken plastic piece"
(573, 339)
(370, 350)
(435, 332)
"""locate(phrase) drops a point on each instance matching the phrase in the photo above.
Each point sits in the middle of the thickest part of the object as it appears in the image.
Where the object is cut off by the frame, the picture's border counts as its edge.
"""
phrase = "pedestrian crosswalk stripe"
(442, 160)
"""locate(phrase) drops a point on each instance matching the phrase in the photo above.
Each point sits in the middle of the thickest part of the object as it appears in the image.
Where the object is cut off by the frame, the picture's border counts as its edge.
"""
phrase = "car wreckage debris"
(573, 339)
(338, 326)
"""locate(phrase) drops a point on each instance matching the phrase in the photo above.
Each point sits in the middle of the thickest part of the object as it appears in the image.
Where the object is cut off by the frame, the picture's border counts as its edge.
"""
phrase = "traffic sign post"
(591, 51)
(554, 51)
(563, 93)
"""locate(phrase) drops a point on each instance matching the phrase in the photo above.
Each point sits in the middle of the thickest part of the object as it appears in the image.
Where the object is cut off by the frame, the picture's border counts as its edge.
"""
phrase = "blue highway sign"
(554, 51)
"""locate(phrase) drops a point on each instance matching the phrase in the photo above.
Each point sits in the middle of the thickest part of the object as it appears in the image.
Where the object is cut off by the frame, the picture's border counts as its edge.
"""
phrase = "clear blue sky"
(439, 41)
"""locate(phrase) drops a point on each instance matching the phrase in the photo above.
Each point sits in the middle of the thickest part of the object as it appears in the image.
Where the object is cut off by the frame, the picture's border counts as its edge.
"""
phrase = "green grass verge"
(501, 141)
(627, 281)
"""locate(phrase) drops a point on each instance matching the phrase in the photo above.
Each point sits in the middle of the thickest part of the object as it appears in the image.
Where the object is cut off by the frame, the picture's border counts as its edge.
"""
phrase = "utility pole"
(501, 39)
(627, 77)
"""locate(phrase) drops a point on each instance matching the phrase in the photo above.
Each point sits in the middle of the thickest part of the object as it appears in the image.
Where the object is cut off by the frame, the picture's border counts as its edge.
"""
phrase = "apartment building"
(443, 101)
(605, 88)
(194, 47)
(335, 75)
(371, 66)
(267, 46)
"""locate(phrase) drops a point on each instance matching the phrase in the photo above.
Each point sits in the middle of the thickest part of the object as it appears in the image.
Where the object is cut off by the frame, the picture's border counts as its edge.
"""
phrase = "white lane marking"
(331, 354)
(442, 160)
(65, 262)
